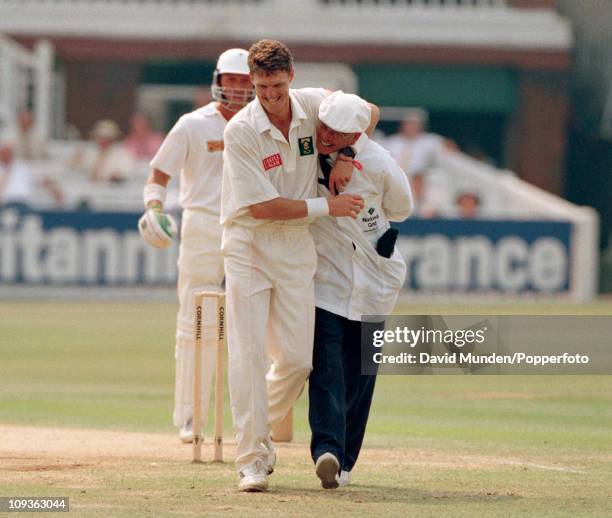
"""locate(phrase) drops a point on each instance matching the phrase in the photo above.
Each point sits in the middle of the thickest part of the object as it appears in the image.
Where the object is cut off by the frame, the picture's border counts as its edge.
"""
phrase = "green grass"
(436, 445)
(92, 365)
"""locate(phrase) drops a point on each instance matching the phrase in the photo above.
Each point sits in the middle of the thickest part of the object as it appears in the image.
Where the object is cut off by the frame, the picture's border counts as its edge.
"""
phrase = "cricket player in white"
(193, 152)
(359, 272)
(269, 196)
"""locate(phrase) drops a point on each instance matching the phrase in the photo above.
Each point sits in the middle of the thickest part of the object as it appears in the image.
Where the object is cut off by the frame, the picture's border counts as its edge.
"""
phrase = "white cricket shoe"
(344, 479)
(270, 460)
(186, 432)
(327, 468)
(254, 478)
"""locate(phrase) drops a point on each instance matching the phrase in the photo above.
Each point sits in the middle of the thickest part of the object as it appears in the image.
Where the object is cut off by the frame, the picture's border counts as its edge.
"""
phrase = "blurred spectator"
(467, 205)
(16, 180)
(109, 161)
(424, 206)
(142, 142)
(18, 184)
(25, 140)
(413, 148)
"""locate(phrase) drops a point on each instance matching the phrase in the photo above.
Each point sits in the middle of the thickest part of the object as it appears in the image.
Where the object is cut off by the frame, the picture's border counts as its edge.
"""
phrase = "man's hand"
(345, 205)
(157, 228)
(341, 174)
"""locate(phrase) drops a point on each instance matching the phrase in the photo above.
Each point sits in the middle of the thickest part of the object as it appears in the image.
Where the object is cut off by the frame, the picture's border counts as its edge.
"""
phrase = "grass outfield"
(436, 445)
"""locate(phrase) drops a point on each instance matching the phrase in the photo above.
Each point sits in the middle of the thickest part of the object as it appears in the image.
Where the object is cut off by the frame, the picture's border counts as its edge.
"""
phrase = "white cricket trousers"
(200, 266)
(269, 272)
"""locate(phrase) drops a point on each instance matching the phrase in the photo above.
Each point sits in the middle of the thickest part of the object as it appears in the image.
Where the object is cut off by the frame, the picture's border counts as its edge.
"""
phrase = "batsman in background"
(359, 272)
(269, 197)
(193, 152)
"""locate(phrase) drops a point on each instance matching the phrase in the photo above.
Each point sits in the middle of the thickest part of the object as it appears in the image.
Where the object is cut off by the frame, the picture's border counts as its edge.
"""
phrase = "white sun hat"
(345, 113)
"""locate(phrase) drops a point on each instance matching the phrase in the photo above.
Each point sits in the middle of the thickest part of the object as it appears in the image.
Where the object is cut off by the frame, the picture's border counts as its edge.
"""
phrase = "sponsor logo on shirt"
(306, 146)
(370, 221)
(272, 161)
(214, 145)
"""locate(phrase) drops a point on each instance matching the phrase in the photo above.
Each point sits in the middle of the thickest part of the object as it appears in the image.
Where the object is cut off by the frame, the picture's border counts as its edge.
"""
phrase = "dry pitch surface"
(109, 473)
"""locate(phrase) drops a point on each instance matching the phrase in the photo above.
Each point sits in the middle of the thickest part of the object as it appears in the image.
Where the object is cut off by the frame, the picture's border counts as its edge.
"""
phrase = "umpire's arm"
(397, 199)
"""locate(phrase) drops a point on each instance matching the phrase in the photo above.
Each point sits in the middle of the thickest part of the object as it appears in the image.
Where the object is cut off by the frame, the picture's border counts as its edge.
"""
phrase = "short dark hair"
(269, 56)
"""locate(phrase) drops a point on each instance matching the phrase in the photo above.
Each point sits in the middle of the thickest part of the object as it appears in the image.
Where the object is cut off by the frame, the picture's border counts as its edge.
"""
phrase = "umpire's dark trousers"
(340, 397)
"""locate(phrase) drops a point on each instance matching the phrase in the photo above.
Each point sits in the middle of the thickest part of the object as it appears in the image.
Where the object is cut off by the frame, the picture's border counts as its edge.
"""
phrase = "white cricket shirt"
(260, 164)
(352, 279)
(193, 151)
(16, 183)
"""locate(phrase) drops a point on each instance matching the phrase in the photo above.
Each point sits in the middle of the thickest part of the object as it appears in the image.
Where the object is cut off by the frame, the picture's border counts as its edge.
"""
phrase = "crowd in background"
(20, 145)
(114, 158)
(418, 153)
(109, 158)
(31, 172)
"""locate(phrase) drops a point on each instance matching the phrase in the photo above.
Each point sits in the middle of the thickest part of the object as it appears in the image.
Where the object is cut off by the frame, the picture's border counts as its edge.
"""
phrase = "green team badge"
(306, 146)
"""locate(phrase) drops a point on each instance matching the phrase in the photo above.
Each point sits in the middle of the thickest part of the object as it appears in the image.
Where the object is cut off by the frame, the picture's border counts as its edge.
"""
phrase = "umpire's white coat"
(352, 281)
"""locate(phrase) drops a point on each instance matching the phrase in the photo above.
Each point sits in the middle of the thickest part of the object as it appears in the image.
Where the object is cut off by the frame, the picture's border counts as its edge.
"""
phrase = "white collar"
(262, 121)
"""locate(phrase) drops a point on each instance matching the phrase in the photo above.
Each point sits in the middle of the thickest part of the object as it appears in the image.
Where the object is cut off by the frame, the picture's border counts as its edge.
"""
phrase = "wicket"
(200, 299)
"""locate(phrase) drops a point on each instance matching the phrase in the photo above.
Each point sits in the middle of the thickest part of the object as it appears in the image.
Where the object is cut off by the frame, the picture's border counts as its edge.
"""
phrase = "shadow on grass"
(390, 494)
